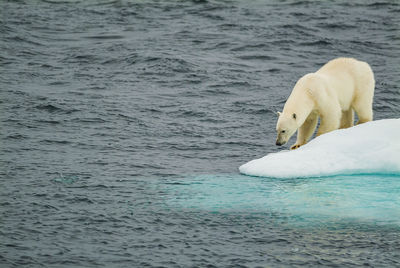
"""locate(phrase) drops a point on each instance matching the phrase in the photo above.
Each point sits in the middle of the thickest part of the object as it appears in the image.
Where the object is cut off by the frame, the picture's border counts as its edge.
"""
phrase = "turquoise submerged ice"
(370, 148)
(360, 199)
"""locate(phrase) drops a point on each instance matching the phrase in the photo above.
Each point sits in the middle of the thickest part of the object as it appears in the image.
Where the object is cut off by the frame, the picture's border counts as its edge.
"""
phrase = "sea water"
(123, 124)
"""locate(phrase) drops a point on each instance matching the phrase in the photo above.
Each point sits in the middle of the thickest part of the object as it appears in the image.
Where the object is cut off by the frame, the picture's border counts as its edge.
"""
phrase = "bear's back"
(357, 69)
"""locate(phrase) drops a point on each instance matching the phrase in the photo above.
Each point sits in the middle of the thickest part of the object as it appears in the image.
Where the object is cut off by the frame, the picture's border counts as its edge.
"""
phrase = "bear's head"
(285, 127)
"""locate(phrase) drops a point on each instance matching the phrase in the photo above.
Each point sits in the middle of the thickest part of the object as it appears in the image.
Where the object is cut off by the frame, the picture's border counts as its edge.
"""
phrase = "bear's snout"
(278, 143)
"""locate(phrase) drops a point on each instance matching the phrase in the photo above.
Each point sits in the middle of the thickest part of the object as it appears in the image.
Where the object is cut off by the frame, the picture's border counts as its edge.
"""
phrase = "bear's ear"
(278, 113)
(294, 116)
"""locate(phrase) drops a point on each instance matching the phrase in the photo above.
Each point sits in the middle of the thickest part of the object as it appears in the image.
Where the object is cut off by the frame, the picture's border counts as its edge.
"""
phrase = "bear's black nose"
(278, 143)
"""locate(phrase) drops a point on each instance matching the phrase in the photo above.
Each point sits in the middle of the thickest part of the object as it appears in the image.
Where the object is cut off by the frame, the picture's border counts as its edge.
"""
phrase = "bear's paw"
(295, 146)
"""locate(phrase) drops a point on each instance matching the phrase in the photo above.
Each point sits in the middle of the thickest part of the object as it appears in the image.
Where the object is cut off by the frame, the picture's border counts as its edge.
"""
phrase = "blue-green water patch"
(370, 199)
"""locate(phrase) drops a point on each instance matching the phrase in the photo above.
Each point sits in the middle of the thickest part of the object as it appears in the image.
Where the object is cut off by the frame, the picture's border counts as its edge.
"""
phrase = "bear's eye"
(283, 131)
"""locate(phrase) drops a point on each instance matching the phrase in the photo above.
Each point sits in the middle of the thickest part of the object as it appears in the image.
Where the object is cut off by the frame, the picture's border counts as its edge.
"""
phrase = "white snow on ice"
(369, 148)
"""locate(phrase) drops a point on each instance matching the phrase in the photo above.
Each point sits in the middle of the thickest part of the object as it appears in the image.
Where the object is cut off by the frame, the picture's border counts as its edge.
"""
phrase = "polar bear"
(333, 93)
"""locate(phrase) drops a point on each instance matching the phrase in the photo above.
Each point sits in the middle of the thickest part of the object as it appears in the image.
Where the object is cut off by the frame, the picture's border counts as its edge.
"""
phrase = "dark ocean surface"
(123, 124)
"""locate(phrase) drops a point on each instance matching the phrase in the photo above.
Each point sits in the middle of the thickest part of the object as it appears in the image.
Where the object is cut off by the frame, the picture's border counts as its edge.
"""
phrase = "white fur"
(333, 93)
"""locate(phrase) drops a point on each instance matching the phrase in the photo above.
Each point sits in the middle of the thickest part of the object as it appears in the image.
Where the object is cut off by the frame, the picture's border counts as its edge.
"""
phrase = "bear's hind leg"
(306, 130)
(363, 108)
(362, 104)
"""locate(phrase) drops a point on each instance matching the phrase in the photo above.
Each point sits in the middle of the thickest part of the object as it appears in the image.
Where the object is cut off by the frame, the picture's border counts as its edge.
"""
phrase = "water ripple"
(110, 109)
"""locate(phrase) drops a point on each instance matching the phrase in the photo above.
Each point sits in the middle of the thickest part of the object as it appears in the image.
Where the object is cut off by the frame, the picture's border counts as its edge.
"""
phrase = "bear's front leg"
(330, 119)
(327, 125)
(306, 130)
